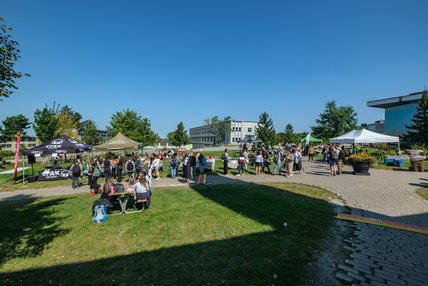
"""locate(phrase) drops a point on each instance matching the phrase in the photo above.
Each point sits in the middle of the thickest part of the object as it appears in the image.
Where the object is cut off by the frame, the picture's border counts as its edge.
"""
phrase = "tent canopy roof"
(118, 142)
(61, 145)
(311, 139)
(364, 136)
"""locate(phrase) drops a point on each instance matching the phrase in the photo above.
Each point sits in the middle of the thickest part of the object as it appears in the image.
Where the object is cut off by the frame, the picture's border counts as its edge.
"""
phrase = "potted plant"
(361, 163)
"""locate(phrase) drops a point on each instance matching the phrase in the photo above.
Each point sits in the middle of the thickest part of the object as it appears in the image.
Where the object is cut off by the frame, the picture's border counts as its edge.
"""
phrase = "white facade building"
(203, 136)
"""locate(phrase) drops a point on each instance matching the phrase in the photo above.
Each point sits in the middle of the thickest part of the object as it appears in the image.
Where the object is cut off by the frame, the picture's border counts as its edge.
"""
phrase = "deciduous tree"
(130, 124)
(45, 122)
(9, 55)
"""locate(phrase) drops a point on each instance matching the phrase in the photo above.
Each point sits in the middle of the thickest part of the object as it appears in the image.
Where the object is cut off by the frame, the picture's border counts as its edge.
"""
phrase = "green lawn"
(423, 192)
(221, 234)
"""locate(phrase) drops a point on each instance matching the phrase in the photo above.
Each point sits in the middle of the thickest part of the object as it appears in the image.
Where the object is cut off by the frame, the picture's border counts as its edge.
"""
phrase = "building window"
(250, 129)
(239, 129)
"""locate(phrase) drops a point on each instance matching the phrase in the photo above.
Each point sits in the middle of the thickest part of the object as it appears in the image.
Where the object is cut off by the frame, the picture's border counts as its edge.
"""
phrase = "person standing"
(173, 166)
(107, 168)
(202, 162)
(119, 168)
(130, 167)
(266, 161)
(192, 161)
(225, 158)
(289, 158)
(276, 162)
(241, 162)
(340, 160)
(259, 163)
(311, 152)
(332, 157)
(76, 172)
(186, 167)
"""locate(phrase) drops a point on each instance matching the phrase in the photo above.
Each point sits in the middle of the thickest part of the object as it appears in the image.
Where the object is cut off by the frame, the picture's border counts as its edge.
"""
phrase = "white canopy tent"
(365, 136)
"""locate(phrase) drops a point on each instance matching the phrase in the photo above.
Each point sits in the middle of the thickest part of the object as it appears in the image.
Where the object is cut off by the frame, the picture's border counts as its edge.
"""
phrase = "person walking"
(225, 159)
(332, 157)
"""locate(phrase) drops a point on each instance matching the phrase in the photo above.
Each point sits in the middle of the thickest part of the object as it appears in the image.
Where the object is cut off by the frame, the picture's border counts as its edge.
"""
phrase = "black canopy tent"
(61, 145)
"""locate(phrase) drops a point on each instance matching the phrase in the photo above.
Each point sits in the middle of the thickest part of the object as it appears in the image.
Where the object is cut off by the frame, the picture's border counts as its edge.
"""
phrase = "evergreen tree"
(180, 136)
(417, 132)
(90, 134)
(12, 124)
(264, 129)
(289, 135)
(67, 122)
(335, 121)
(45, 122)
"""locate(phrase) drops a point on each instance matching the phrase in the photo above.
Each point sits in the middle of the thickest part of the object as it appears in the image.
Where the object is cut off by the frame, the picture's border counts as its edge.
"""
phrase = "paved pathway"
(375, 255)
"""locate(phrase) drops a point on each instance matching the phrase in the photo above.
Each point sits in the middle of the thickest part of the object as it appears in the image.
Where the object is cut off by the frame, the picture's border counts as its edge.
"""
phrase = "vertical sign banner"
(18, 142)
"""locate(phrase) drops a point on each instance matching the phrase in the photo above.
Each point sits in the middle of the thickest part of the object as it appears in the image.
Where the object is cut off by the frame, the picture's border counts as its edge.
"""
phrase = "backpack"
(173, 163)
(241, 160)
(335, 155)
(100, 214)
(96, 172)
(130, 166)
(76, 170)
(138, 164)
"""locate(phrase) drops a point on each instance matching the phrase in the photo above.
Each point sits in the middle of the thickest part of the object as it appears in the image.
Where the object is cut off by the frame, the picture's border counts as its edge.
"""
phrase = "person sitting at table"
(56, 165)
(143, 191)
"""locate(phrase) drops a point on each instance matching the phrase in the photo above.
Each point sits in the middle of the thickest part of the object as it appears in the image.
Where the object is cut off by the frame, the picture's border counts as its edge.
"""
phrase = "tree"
(219, 128)
(289, 135)
(130, 124)
(179, 136)
(264, 129)
(9, 55)
(12, 124)
(335, 121)
(68, 122)
(90, 134)
(45, 122)
(417, 132)
(75, 116)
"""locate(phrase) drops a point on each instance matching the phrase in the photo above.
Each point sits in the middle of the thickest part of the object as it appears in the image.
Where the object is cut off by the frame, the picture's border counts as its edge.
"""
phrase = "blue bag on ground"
(100, 214)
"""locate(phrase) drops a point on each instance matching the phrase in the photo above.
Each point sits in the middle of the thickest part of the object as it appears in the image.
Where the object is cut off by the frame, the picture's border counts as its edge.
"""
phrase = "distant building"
(378, 126)
(27, 142)
(203, 136)
(399, 112)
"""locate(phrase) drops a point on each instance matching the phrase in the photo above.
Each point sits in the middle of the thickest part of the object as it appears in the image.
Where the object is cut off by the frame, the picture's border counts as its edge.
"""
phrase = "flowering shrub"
(360, 158)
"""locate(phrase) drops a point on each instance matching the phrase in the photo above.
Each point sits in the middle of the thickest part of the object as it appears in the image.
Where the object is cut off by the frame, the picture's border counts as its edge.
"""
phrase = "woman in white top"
(155, 166)
(259, 163)
(143, 190)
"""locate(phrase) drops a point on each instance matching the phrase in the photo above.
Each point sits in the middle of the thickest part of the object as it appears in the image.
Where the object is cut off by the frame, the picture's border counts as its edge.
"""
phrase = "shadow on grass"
(28, 227)
(279, 255)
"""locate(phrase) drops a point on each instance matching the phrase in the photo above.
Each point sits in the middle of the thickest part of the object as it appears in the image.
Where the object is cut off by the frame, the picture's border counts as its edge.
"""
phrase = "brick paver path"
(376, 255)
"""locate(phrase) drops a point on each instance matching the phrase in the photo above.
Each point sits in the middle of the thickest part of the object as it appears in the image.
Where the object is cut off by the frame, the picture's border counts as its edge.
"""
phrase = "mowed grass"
(423, 192)
(221, 234)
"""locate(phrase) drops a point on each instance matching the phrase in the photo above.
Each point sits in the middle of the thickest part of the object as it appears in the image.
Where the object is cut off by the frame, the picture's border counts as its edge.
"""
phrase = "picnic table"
(123, 199)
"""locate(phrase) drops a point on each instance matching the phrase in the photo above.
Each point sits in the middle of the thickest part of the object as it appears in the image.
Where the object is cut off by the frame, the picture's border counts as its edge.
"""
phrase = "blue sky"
(185, 60)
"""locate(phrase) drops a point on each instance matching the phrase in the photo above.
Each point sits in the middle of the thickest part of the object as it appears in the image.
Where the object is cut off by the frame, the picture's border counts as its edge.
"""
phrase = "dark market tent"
(118, 142)
(310, 139)
(60, 145)
(364, 136)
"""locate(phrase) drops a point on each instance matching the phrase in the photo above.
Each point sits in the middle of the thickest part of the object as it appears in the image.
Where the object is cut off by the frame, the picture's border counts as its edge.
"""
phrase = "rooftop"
(395, 101)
